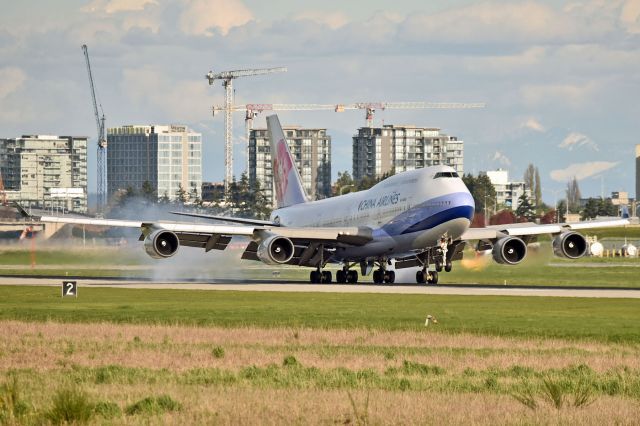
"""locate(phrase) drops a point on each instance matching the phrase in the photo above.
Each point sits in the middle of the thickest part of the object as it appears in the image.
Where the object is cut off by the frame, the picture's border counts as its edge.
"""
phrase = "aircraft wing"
(310, 243)
(531, 229)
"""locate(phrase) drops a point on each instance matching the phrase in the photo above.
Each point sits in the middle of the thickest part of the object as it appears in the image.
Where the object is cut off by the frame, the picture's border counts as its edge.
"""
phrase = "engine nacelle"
(570, 245)
(509, 250)
(275, 250)
(161, 244)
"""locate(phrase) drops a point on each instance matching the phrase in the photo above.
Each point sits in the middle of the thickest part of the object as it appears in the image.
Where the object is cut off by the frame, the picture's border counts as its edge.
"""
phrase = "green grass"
(607, 320)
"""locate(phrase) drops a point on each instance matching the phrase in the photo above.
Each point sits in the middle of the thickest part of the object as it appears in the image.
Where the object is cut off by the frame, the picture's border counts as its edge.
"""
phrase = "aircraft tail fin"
(286, 178)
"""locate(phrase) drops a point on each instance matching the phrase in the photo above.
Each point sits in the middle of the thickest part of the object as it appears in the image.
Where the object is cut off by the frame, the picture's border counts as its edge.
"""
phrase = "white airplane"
(418, 218)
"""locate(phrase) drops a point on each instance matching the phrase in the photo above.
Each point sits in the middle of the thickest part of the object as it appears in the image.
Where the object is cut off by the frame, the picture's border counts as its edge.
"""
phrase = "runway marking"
(335, 288)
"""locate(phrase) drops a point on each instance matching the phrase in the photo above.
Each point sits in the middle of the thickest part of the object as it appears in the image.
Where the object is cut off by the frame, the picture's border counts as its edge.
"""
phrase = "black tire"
(433, 279)
(438, 266)
(389, 277)
(352, 277)
(421, 277)
(448, 266)
(314, 277)
(326, 277)
(341, 276)
(377, 276)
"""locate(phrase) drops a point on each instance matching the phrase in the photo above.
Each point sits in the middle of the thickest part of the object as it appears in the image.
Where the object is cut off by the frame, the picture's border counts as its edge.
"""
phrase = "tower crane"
(102, 140)
(252, 110)
(227, 78)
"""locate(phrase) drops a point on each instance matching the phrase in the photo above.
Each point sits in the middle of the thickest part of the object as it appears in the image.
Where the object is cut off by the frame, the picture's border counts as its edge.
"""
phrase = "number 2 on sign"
(69, 291)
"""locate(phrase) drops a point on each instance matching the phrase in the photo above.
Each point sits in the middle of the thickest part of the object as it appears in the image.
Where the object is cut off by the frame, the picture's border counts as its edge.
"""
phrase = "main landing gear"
(381, 275)
(346, 275)
(320, 277)
(425, 276)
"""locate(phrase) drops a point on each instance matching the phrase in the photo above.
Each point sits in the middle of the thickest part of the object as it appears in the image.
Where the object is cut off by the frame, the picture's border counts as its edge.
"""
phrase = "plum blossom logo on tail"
(282, 167)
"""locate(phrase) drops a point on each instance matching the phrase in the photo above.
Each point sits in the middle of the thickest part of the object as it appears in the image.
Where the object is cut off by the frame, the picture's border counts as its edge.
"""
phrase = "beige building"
(378, 150)
(507, 192)
(46, 171)
(167, 157)
(311, 151)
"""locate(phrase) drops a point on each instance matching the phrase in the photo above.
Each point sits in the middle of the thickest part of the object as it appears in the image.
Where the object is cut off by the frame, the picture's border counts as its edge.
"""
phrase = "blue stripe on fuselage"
(432, 213)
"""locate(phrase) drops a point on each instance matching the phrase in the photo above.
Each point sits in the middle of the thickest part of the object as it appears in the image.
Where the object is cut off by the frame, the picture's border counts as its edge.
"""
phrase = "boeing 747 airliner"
(418, 218)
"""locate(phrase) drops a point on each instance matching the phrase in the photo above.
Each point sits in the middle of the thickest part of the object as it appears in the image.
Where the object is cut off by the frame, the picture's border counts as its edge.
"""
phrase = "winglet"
(288, 184)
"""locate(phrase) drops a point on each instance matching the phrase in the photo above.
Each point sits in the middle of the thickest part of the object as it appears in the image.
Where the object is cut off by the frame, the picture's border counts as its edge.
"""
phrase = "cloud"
(502, 159)
(578, 140)
(332, 20)
(200, 16)
(563, 94)
(630, 16)
(115, 6)
(533, 124)
(11, 80)
(582, 170)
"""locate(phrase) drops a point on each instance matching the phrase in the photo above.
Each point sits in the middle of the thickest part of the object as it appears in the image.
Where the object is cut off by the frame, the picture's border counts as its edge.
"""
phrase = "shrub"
(553, 392)
(525, 396)
(153, 405)
(290, 361)
(107, 409)
(218, 352)
(70, 406)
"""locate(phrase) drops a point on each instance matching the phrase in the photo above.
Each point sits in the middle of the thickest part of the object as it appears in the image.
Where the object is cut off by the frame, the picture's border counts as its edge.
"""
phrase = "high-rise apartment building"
(378, 150)
(168, 157)
(311, 151)
(637, 173)
(507, 192)
(46, 171)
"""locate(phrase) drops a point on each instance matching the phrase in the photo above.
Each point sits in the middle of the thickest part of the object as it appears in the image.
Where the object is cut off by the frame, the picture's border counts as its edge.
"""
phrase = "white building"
(168, 157)
(378, 150)
(507, 193)
(46, 171)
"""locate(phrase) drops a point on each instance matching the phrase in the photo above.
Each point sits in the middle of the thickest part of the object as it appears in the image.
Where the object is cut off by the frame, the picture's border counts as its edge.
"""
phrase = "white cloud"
(562, 94)
(115, 6)
(11, 80)
(533, 124)
(581, 170)
(578, 140)
(502, 159)
(200, 16)
(630, 16)
(332, 20)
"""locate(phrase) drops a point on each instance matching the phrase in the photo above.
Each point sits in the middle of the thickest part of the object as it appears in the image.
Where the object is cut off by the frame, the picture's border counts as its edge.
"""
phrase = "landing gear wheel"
(389, 277)
(326, 277)
(421, 277)
(378, 276)
(432, 277)
(352, 277)
(438, 266)
(448, 266)
(341, 276)
(314, 277)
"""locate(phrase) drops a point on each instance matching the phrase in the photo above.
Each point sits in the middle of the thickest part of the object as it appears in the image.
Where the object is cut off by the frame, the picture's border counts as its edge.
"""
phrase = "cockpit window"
(446, 174)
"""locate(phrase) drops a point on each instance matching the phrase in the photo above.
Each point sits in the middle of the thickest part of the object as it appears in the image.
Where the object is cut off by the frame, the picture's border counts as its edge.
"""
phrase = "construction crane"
(227, 78)
(102, 140)
(252, 110)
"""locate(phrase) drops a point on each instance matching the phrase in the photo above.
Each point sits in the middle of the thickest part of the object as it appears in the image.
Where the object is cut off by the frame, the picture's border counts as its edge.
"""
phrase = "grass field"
(129, 356)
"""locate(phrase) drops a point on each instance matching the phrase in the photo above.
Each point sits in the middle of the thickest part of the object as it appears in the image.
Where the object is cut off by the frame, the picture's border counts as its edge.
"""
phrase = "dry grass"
(46, 356)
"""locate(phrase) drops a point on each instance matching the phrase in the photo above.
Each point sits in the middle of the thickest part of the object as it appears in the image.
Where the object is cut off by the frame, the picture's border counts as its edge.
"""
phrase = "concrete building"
(165, 156)
(212, 191)
(507, 193)
(378, 150)
(637, 172)
(46, 171)
(311, 150)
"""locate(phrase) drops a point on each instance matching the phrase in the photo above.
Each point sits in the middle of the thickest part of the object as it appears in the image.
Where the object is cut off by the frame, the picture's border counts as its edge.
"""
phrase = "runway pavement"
(254, 285)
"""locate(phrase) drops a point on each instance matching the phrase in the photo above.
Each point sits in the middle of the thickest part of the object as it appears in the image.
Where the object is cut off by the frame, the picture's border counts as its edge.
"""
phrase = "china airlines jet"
(418, 218)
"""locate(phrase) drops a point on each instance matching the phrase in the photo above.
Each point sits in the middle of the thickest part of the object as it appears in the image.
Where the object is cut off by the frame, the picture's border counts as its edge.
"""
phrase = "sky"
(560, 79)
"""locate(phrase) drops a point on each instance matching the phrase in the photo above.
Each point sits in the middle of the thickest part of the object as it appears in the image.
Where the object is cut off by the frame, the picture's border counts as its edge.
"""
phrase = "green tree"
(148, 192)
(525, 208)
(181, 195)
(562, 209)
(573, 195)
(482, 191)
(537, 192)
(344, 184)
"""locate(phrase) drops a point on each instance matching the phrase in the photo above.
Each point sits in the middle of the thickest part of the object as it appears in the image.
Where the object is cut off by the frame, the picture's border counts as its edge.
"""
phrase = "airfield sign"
(69, 289)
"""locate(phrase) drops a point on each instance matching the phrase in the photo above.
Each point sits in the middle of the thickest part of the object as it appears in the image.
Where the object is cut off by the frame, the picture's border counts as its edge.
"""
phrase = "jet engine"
(161, 244)
(509, 250)
(275, 250)
(570, 245)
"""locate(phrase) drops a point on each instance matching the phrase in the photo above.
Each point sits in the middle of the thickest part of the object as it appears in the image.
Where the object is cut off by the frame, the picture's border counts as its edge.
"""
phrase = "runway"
(273, 285)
